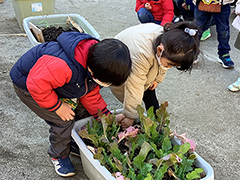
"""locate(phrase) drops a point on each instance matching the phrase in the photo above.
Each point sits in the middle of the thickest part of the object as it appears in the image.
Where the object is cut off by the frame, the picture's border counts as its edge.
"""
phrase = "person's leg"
(223, 35)
(145, 16)
(177, 11)
(202, 20)
(223, 29)
(150, 99)
(60, 133)
(80, 113)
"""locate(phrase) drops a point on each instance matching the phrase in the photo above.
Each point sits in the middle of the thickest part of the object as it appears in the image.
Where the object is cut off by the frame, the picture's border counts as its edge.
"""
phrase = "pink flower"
(184, 140)
(130, 131)
(119, 176)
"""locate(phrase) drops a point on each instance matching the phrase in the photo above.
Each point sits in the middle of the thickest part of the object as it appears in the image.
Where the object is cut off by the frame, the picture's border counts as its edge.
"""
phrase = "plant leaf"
(92, 137)
(116, 152)
(130, 131)
(166, 145)
(183, 139)
(147, 123)
(99, 156)
(194, 174)
(159, 174)
(149, 177)
(137, 161)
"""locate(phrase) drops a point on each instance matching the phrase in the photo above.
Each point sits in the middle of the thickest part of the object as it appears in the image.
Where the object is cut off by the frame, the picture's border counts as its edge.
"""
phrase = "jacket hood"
(69, 40)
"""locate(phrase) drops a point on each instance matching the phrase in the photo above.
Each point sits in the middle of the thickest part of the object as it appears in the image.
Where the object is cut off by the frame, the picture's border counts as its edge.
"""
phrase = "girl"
(153, 49)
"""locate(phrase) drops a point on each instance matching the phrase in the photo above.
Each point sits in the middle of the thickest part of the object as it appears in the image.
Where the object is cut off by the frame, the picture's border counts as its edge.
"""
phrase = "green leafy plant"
(143, 151)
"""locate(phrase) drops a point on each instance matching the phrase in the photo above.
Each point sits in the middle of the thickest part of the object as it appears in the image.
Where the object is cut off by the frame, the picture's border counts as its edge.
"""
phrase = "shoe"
(234, 87)
(63, 166)
(196, 61)
(74, 149)
(226, 61)
(206, 34)
(177, 19)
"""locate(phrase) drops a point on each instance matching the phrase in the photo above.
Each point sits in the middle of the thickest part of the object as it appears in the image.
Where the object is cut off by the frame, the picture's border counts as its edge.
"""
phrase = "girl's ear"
(160, 48)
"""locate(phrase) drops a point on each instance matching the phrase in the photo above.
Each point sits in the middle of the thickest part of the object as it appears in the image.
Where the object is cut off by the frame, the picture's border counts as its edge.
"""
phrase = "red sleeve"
(48, 73)
(168, 11)
(93, 101)
(139, 4)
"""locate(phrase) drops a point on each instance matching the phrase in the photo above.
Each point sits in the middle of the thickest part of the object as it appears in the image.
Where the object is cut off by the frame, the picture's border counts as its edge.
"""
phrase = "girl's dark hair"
(179, 47)
(110, 61)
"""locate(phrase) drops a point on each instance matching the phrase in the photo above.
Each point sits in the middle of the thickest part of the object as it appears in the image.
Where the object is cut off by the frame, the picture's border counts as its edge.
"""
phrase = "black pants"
(60, 131)
(150, 99)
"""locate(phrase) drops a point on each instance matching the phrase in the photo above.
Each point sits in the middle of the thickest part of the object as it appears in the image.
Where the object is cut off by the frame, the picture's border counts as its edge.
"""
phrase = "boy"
(73, 68)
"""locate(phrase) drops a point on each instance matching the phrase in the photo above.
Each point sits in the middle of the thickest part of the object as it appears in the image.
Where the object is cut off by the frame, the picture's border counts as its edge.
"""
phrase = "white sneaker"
(234, 87)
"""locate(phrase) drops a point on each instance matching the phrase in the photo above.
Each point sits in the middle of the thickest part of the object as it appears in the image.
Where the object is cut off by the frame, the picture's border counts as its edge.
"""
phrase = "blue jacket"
(56, 70)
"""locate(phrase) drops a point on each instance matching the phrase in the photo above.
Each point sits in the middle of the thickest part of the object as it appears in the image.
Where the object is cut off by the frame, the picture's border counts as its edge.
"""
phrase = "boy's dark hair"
(179, 47)
(110, 61)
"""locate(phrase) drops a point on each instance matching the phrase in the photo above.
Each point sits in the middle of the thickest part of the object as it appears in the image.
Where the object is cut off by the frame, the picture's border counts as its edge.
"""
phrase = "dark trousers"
(60, 131)
(145, 16)
(150, 99)
(222, 25)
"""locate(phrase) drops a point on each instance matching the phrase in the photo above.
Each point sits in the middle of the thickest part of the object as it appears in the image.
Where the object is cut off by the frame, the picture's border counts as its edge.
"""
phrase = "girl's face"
(165, 62)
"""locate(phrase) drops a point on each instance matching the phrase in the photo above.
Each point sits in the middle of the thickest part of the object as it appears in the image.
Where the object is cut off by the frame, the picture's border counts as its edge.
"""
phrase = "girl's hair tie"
(191, 32)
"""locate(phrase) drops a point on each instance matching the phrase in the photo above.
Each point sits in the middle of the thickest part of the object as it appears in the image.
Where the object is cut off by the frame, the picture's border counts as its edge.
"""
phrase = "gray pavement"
(199, 103)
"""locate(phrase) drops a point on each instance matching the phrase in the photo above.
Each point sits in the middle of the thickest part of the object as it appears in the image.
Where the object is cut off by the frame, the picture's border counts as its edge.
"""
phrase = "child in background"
(156, 11)
(186, 8)
(154, 49)
(72, 68)
(220, 11)
(236, 24)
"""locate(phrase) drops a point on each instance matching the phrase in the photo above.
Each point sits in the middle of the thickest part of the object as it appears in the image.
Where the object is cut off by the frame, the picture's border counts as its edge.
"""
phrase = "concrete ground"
(199, 103)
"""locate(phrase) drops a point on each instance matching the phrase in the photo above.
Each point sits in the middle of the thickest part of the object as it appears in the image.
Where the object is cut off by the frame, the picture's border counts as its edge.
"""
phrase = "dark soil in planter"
(51, 33)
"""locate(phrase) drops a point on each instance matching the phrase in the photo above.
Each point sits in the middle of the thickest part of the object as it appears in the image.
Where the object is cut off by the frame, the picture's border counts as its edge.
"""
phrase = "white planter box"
(56, 20)
(95, 171)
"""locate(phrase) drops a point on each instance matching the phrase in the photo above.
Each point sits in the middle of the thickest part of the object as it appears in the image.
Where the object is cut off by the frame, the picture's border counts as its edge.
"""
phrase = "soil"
(51, 33)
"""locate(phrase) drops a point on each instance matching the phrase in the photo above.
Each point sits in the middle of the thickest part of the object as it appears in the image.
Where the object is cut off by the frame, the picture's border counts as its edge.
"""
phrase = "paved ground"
(199, 103)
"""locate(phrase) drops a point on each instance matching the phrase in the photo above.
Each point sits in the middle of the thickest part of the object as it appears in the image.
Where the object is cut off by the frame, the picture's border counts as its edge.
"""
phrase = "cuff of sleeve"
(104, 111)
(56, 106)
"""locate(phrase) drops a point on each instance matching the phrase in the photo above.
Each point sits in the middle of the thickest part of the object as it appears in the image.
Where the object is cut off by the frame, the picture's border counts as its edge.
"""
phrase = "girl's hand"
(65, 112)
(119, 118)
(153, 85)
(148, 6)
(126, 122)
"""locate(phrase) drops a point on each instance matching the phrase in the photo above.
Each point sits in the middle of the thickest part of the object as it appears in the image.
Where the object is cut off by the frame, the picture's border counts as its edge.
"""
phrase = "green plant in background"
(143, 151)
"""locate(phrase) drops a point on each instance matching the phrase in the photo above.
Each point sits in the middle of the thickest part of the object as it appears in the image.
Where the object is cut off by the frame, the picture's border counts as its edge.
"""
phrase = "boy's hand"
(153, 85)
(65, 112)
(148, 6)
(126, 122)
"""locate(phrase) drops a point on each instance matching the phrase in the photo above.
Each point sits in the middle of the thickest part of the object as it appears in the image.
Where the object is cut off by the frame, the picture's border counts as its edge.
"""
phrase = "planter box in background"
(95, 171)
(56, 20)
(26, 8)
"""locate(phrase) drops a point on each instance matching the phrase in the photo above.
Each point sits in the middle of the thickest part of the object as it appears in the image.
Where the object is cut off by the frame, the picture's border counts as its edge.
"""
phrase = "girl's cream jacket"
(145, 67)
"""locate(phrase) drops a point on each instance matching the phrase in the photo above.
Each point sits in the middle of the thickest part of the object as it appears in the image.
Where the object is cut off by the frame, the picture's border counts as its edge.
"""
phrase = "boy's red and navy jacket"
(56, 70)
(162, 10)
